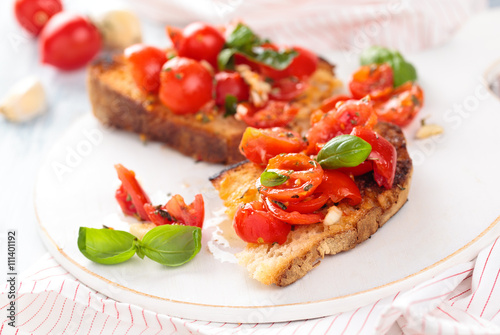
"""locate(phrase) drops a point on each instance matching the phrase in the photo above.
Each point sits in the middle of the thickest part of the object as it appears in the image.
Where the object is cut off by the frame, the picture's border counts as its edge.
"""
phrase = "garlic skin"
(119, 28)
(25, 100)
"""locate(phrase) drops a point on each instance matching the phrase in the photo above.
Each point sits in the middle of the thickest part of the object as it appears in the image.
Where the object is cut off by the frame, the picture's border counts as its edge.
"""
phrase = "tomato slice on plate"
(176, 211)
(253, 224)
(303, 176)
(273, 114)
(383, 155)
(260, 145)
(130, 195)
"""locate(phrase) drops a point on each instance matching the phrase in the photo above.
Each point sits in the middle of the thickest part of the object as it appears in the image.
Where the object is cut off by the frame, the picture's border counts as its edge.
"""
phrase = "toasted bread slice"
(307, 245)
(117, 102)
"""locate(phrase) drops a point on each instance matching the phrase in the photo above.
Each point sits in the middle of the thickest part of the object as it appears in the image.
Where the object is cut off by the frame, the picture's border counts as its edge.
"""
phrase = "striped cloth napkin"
(462, 300)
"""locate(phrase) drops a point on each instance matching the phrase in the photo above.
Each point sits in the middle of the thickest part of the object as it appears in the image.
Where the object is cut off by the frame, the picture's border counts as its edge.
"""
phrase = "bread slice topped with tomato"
(294, 201)
(199, 95)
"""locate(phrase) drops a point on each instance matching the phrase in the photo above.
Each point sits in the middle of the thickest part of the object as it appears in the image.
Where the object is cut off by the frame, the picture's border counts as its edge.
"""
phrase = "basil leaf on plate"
(343, 151)
(106, 246)
(403, 71)
(171, 245)
(271, 178)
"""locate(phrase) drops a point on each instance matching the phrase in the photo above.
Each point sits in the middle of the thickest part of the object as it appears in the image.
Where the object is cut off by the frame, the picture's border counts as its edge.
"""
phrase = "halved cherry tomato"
(309, 204)
(358, 170)
(146, 62)
(278, 210)
(69, 41)
(125, 201)
(374, 80)
(32, 15)
(230, 83)
(273, 114)
(185, 85)
(331, 103)
(287, 89)
(403, 104)
(176, 211)
(131, 188)
(253, 224)
(383, 154)
(302, 66)
(199, 41)
(339, 187)
(304, 176)
(260, 145)
(339, 121)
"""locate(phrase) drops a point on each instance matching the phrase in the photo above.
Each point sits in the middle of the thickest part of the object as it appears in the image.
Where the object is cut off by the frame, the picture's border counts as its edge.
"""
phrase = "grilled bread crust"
(117, 102)
(308, 244)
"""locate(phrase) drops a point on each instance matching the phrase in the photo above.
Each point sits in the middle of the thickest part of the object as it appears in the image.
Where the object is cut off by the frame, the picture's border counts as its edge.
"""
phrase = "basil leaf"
(343, 151)
(230, 105)
(106, 246)
(245, 42)
(271, 178)
(403, 71)
(171, 245)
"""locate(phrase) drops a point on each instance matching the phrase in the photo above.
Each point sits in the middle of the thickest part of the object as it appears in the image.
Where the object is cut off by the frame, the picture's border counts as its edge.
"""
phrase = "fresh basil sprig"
(403, 71)
(343, 151)
(244, 41)
(170, 245)
(271, 178)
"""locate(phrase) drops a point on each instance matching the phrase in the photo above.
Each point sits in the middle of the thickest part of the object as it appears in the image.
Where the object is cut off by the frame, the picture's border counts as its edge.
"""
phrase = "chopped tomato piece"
(338, 186)
(176, 211)
(131, 187)
(273, 114)
(402, 106)
(278, 210)
(374, 80)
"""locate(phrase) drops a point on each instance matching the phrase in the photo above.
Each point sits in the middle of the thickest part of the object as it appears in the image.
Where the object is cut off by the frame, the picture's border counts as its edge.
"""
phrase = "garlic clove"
(119, 28)
(25, 100)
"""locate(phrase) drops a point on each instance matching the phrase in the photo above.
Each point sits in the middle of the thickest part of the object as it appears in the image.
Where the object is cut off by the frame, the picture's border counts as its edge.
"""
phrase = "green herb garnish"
(344, 151)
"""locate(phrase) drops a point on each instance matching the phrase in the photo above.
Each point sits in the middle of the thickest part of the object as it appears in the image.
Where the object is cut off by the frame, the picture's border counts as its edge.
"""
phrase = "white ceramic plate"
(451, 214)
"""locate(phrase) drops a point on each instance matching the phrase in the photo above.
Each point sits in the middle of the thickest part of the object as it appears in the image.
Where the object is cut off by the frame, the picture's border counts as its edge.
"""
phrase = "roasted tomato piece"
(130, 195)
(279, 211)
(273, 114)
(374, 80)
(402, 106)
(260, 145)
(176, 211)
(253, 224)
(338, 186)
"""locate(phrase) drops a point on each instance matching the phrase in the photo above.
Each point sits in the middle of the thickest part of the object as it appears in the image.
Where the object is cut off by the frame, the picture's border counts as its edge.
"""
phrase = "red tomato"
(287, 89)
(339, 121)
(177, 212)
(279, 211)
(273, 114)
(253, 224)
(230, 83)
(185, 85)
(134, 193)
(383, 154)
(146, 62)
(198, 41)
(69, 41)
(402, 106)
(304, 176)
(339, 187)
(302, 66)
(358, 170)
(32, 15)
(374, 80)
(175, 35)
(310, 204)
(331, 103)
(260, 145)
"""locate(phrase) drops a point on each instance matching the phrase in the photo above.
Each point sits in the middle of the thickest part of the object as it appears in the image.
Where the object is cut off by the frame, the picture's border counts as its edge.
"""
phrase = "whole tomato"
(69, 41)
(145, 63)
(32, 15)
(185, 85)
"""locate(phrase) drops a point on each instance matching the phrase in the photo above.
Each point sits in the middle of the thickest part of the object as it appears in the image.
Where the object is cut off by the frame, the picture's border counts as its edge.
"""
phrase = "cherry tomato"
(309, 204)
(374, 80)
(403, 104)
(185, 85)
(339, 121)
(273, 114)
(158, 215)
(260, 145)
(331, 103)
(32, 15)
(302, 66)
(338, 186)
(175, 211)
(304, 176)
(358, 170)
(253, 224)
(134, 193)
(279, 211)
(175, 35)
(198, 41)
(383, 154)
(146, 63)
(287, 89)
(230, 83)
(69, 41)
